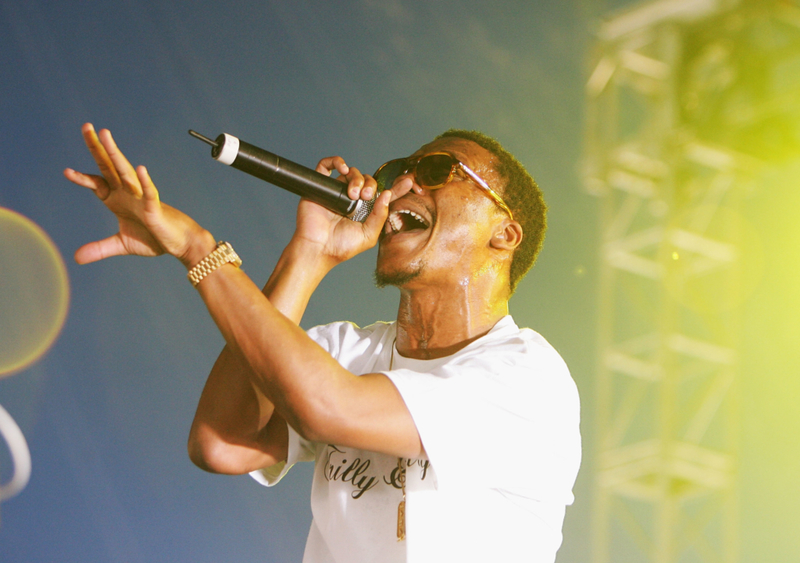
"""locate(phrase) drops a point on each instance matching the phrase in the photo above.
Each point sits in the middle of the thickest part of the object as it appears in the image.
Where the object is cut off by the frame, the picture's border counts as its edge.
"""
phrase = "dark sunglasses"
(432, 171)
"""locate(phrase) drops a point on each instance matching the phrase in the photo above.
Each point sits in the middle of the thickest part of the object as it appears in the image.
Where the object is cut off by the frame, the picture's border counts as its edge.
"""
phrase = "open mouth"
(403, 221)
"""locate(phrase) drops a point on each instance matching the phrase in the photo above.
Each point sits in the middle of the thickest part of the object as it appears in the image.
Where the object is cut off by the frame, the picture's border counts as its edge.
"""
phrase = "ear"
(508, 236)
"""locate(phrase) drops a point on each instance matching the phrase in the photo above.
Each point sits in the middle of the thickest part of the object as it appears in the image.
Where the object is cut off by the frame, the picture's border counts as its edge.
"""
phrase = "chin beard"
(397, 278)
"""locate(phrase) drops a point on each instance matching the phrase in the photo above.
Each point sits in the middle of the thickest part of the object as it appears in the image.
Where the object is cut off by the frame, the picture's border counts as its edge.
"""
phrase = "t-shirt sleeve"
(500, 419)
(360, 345)
(299, 450)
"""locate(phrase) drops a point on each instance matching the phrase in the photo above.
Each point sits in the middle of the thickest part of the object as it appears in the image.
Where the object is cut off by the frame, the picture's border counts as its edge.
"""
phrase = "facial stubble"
(396, 278)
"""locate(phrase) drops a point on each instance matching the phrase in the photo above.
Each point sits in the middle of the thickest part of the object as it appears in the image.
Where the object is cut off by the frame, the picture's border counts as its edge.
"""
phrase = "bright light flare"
(34, 292)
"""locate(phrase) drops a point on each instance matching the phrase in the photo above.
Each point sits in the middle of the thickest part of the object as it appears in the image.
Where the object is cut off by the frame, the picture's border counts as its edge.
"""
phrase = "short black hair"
(522, 195)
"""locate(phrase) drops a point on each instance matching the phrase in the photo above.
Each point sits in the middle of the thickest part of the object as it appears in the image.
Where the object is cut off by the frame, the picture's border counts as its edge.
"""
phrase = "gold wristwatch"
(223, 254)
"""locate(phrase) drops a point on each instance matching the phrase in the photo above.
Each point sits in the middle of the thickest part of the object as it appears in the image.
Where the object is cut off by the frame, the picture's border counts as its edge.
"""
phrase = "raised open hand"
(146, 226)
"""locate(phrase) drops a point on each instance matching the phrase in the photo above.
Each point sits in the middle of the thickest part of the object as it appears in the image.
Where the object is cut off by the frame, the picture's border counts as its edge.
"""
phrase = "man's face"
(441, 236)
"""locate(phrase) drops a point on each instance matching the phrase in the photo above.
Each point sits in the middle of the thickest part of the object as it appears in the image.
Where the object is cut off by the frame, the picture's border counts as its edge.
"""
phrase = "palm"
(146, 226)
(339, 237)
(136, 239)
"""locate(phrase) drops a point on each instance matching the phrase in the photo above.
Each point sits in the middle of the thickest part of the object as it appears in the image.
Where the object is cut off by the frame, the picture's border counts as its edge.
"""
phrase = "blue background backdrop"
(106, 412)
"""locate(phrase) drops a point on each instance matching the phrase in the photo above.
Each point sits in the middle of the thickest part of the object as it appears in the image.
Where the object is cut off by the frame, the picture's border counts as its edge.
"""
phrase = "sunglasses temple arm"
(493, 195)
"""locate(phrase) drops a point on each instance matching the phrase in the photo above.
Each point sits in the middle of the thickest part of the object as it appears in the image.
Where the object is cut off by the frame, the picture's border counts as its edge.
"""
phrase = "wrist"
(308, 256)
(200, 246)
(301, 267)
(222, 255)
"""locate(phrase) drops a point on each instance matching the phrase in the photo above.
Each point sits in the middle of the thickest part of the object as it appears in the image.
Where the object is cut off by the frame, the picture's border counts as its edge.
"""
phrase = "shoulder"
(519, 365)
(508, 346)
(344, 331)
(510, 398)
(347, 340)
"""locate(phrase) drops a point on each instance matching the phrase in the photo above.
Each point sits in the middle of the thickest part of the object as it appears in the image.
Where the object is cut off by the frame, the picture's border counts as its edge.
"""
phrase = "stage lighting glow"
(703, 265)
(34, 292)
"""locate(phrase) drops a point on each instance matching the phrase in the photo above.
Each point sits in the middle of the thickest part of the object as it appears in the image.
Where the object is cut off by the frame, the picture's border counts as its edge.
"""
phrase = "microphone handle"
(290, 176)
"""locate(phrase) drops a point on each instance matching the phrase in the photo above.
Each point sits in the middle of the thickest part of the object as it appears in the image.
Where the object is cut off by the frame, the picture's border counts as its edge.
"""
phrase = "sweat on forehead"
(520, 192)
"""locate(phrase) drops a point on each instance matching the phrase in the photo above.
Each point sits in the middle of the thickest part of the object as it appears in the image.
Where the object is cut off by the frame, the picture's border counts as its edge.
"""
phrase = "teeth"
(416, 216)
(395, 223)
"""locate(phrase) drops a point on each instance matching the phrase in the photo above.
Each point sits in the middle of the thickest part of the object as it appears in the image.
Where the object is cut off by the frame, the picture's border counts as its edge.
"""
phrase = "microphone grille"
(363, 209)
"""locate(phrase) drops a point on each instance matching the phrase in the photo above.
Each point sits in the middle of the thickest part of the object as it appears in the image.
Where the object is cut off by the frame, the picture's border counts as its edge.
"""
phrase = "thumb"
(380, 211)
(100, 249)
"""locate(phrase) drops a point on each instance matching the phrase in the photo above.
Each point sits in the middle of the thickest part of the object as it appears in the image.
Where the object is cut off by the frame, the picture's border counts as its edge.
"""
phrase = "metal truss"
(677, 124)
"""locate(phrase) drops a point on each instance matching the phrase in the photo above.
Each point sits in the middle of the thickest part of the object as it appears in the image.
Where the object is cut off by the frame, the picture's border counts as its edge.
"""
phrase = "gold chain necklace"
(401, 476)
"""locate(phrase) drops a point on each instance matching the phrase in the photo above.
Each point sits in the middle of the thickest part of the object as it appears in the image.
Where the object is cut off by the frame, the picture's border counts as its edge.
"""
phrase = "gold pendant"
(401, 520)
(401, 508)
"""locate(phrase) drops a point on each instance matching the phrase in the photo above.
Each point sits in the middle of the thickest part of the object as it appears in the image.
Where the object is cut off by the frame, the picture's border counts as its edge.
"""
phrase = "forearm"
(280, 360)
(311, 392)
(267, 353)
(231, 431)
(299, 271)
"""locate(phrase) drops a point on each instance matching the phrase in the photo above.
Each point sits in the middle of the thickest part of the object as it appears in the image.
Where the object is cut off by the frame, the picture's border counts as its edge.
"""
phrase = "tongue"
(403, 222)
(410, 223)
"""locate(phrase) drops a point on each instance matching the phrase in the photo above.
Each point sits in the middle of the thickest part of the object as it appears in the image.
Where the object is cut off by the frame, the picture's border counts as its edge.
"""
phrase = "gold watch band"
(223, 254)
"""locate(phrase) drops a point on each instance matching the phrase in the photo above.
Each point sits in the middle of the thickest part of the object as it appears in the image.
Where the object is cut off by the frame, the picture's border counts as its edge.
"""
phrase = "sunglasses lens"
(386, 174)
(433, 170)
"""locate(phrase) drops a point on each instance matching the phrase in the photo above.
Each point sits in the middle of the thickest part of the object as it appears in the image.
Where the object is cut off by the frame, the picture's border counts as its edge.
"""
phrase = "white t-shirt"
(499, 421)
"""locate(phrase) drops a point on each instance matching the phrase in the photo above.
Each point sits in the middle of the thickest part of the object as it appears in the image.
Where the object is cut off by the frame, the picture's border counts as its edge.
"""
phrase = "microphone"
(288, 175)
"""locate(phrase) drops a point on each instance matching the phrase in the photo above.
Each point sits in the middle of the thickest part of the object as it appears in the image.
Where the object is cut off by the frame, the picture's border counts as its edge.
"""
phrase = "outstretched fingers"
(149, 190)
(91, 181)
(100, 155)
(125, 173)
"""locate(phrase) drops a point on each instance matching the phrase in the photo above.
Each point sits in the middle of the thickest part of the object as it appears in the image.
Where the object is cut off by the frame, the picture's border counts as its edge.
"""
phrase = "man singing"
(448, 435)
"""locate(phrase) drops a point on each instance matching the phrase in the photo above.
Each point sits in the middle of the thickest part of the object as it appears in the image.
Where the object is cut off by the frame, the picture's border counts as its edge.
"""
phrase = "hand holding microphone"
(149, 227)
(288, 175)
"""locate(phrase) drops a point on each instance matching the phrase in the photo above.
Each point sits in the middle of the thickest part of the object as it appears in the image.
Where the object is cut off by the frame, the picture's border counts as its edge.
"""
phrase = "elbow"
(208, 452)
(200, 454)
(234, 454)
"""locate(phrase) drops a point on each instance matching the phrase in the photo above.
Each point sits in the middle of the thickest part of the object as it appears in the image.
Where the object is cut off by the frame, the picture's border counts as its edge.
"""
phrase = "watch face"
(223, 254)
(230, 254)
(234, 259)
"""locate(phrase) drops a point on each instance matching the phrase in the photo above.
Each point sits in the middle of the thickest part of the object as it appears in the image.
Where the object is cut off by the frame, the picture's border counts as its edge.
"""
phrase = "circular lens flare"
(34, 292)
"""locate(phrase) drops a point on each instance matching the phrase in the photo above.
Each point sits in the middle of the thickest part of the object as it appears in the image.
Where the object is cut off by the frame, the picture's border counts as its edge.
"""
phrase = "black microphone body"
(288, 175)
